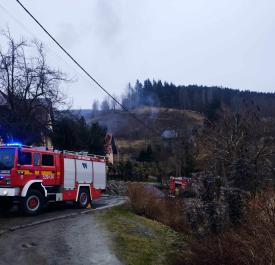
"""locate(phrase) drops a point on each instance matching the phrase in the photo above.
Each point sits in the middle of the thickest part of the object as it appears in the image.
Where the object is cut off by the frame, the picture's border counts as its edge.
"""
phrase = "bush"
(128, 171)
(149, 201)
(252, 242)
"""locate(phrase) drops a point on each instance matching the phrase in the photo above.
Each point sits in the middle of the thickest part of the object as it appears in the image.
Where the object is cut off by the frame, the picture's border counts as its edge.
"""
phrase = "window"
(47, 160)
(36, 158)
(6, 159)
(25, 158)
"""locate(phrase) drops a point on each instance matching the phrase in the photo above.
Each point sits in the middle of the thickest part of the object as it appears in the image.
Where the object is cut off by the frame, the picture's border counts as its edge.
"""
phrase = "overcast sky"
(227, 43)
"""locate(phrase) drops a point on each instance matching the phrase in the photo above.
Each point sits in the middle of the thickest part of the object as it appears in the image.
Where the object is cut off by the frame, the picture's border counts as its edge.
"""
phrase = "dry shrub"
(253, 242)
(149, 201)
(136, 198)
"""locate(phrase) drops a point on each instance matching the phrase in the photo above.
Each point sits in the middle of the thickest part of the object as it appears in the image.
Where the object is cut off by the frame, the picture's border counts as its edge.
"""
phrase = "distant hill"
(157, 103)
(193, 97)
(166, 108)
(201, 99)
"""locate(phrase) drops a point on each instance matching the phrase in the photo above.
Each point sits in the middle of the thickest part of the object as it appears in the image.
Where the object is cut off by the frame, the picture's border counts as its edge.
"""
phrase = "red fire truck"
(178, 185)
(33, 176)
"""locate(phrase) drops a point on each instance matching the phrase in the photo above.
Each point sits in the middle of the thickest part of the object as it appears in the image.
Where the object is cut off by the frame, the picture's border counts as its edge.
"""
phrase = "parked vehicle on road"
(33, 176)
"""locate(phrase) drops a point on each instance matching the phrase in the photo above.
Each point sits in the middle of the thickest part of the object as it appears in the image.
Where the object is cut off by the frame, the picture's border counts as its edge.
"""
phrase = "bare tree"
(240, 148)
(31, 89)
(114, 105)
(105, 105)
(182, 145)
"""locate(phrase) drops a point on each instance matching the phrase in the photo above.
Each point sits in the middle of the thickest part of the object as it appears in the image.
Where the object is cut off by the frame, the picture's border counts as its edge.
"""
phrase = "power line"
(85, 71)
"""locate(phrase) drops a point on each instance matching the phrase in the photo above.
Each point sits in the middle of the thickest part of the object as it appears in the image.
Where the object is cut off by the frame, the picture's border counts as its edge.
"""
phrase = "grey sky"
(207, 42)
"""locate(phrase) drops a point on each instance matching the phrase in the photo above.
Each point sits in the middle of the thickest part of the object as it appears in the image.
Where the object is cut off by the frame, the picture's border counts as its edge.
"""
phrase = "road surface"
(75, 239)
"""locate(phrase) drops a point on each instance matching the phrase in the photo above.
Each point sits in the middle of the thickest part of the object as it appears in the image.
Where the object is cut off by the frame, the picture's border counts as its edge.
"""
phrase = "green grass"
(141, 241)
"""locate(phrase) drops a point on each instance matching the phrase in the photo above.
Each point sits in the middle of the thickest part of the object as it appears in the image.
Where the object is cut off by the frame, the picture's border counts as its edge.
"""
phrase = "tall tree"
(96, 139)
(72, 133)
(105, 106)
(95, 107)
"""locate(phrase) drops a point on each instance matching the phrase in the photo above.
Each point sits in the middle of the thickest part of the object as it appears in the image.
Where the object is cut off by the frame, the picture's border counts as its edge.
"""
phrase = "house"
(111, 148)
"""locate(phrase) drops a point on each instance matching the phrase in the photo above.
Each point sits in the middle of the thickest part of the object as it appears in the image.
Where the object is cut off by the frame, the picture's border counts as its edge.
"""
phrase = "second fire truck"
(31, 177)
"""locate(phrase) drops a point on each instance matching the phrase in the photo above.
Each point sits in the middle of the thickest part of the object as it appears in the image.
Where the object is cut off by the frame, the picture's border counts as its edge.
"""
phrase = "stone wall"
(115, 187)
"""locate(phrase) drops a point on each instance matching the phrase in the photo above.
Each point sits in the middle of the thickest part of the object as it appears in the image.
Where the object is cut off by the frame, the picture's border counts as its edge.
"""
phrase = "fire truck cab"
(33, 176)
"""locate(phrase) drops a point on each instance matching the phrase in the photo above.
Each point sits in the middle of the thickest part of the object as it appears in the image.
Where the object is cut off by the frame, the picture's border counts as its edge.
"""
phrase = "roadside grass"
(141, 241)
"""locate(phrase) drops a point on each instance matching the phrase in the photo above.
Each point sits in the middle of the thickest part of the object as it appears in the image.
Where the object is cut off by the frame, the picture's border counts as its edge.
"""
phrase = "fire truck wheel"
(33, 203)
(83, 198)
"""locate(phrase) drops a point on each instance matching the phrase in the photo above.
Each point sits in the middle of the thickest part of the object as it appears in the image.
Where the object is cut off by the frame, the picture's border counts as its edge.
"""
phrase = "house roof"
(169, 134)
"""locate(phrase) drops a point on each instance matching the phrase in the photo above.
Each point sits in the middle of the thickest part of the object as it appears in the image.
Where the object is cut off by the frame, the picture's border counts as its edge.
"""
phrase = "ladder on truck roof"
(44, 148)
(83, 154)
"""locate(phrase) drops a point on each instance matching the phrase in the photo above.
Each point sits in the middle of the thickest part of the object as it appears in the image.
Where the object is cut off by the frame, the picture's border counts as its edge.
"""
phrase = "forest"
(203, 99)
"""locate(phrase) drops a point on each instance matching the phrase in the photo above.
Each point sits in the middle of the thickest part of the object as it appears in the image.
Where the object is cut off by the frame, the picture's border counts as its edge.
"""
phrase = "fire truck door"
(48, 169)
(25, 167)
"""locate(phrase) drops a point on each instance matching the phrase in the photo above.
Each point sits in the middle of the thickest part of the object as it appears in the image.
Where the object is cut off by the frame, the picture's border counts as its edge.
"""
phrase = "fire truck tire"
(83, 198)
(33, 203)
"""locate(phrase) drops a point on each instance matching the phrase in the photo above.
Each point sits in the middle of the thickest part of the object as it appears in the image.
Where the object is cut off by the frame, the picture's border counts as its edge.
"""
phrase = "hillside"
(123, 125)
(131, 136)
(167, 109)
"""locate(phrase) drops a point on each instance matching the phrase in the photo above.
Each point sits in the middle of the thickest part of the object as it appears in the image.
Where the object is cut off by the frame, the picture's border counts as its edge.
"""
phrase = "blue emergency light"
(14, 144)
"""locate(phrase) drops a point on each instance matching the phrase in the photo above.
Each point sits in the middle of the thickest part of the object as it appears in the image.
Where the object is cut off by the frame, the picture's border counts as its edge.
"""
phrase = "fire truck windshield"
(7, 158)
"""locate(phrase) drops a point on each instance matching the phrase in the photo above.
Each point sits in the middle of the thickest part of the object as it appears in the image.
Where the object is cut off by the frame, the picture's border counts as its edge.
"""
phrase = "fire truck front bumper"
(9, 192)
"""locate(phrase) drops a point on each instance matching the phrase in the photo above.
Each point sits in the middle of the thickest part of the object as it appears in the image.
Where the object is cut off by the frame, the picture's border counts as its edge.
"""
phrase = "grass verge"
(141, 241)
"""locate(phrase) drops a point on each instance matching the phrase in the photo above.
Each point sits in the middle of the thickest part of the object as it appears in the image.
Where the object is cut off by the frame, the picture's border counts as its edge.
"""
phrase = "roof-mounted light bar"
(15, 144)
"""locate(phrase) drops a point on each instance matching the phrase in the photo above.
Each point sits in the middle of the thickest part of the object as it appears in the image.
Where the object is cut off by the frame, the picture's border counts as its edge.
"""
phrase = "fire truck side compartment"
(84, 171)
(99, 175)
(69, 173)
